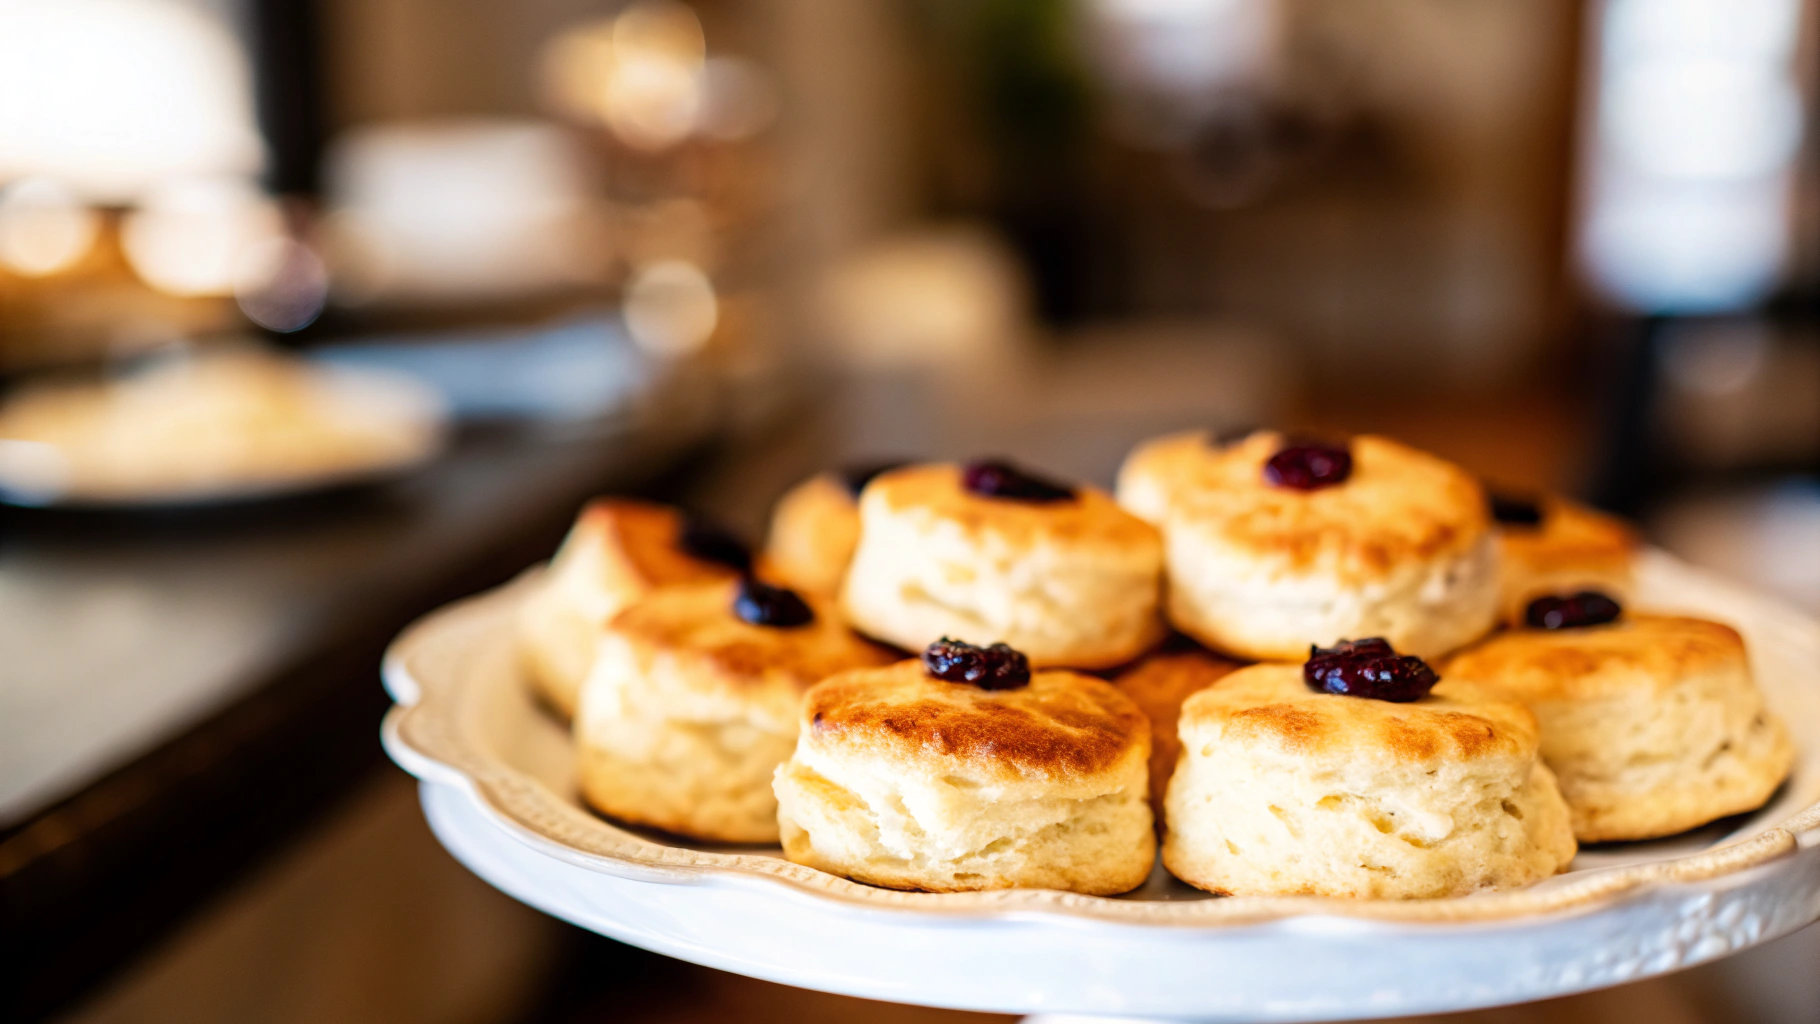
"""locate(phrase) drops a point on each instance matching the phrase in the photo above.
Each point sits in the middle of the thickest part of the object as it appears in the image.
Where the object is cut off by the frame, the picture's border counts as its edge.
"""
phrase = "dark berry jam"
(1514, 510)
(1368, 668)
(1586, 608)
(857, 477)
(712, 542)
(762, 604)
(1305, 467)
(991, 478)
(999, 667)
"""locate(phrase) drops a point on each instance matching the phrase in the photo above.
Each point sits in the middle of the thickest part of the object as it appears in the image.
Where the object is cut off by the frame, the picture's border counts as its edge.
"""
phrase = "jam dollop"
(762, 604)
(1586, 608)
(1306, 467)
(998, 667)
(711, 542)
(995, 478)
(1368, 668)
(857, 477)
(1514, 509)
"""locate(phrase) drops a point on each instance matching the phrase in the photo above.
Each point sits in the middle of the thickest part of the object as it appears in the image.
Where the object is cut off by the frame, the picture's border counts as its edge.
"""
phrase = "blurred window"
(1696, 120)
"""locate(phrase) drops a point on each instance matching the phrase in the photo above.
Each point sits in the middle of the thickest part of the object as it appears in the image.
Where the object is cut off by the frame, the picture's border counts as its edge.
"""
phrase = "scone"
(693, 702)
(992, 554)
(1549, 545)
(1155, 470)
(909, 781)
(1158, 685)
(816, 526)
(1285, 790)
(1277, 546)
(617, 551)
(1652, 723)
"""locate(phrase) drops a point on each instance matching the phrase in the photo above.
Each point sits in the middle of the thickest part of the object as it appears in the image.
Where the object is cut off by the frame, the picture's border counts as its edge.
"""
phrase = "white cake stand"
(498, 791)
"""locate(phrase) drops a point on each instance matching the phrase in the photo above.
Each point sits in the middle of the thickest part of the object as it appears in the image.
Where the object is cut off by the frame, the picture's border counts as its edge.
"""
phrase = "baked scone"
(908, 781)
(1156, 469)
(1369, 539)
(617, 551)
(991, 554)
(1549, 545)
(1284, 790)
(694, 700)
(1652, 723)
(1158, 685)
(816, 526)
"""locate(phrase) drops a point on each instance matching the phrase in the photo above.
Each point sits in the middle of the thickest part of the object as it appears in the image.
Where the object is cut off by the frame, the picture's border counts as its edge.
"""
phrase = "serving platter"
(499, 791)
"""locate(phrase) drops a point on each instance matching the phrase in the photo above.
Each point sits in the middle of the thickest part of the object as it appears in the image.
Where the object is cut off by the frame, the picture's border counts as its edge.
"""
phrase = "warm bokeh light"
(670, 308)
(44, 228)
(645, 75)
(113, 96)
(654, 94)
(660, 29)
(651, 102)
(576, 66)
(190, 237)
(281, 284)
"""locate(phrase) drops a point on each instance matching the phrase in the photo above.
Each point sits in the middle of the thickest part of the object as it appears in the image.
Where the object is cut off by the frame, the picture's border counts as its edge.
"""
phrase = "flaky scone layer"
(689, 710)
(1281, 791)
(1653, 724)
(1072, 583)
(901, 781)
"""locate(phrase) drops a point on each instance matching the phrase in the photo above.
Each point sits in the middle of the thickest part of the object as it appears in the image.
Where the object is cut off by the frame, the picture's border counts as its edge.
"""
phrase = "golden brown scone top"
(1653, 651)
(698, 621)
(1399, 505)
(1062, 724)
(1270, 706)
(934, 490)
(646, 535)
(1570, 536)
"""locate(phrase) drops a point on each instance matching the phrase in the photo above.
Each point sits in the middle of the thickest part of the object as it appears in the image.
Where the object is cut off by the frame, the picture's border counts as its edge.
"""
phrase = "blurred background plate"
(355, 427)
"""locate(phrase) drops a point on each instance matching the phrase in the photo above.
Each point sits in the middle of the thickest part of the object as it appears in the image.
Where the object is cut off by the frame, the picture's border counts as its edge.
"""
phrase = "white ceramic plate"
(499, 790)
